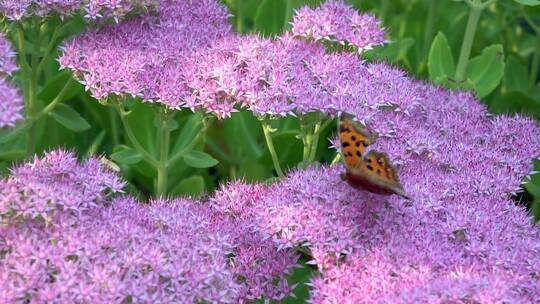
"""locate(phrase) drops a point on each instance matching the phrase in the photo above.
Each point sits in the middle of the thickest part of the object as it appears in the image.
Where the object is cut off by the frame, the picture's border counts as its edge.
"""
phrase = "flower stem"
(147, 156)
(48, 49)
(476, 8)
(315, 141)
(32, 94)
(114, 127)
(535, 64)
(336, 158)
(56, 100)
(190, 146)
(267, 129)
(164, 138)
(429, 30)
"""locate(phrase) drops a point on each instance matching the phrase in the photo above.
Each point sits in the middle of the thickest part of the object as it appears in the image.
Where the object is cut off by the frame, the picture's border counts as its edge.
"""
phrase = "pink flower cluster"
(460, 239)
(150, 56)
(335, 21)
(64, 239)
(93, 9)
(188, 57)
(11, 102)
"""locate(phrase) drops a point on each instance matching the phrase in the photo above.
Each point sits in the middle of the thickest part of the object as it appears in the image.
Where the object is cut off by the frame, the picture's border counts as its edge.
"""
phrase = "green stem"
(164, 139)
(114, 127)
(22, 54)
(30, 120)
(336, 158)
(48, 49)
(174, 158)
(132, 138)
(385, 4)
(429, 28)
(476, 8)
(32, 95)
(267, 129)
(239, 17)
(56, 100)
(306, 137)
(315, 141)
(316, 135)
(535, 64)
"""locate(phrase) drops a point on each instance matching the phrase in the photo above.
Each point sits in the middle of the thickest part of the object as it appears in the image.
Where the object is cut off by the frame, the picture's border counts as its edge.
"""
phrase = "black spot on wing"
(344, 129)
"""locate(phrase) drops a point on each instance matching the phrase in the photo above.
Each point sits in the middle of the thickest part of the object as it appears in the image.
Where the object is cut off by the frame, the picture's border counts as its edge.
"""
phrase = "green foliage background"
(490, 47)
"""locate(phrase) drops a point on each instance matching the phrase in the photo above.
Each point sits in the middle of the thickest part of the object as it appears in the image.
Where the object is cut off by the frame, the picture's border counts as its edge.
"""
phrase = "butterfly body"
(371, 171)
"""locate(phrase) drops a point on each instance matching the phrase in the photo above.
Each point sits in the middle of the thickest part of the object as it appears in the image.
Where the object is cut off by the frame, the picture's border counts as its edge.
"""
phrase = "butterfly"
(371, 171)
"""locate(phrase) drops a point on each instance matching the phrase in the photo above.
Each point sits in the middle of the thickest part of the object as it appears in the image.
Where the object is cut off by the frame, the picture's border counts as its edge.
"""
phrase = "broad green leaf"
(69, 118)
(301, 276)
(191, 186)
(56, 83)
(252, 170)
(440, 60)
(393, 51)
(126, 155)
(528, 2)
(516, 102)
(515, 75)
(533, 185)
(199, 159)
(96, 143)
(487, 69)
(189, 131)
(270, 17)
(242, 134)
(141, 121)
(9, 134)
(12, 154)
(171, 125)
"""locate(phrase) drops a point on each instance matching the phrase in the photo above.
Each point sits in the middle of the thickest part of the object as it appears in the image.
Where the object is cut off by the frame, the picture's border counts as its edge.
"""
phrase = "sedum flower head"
(152, 56)
(336, 21)
(188, 57)
(11, 105)
(92, 9)
(94, 248)
(53, 186)
(257, 260)
(11, 102)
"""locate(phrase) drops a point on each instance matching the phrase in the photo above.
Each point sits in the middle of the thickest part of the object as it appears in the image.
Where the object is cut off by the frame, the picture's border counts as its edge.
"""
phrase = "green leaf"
(242, 134)
(191, 186)
(515, 75)
(515, 102)
(301, 276)
(252, 170)
(270, 17)
(528, 2)
(199, 159)
(96, 143)
(171, 125)
(12, 155)
(56, 83)
(440, 60)
(188, 132)
(393, 51)
(487, 69)
(126, 156)
(69, 118)
(9, 134)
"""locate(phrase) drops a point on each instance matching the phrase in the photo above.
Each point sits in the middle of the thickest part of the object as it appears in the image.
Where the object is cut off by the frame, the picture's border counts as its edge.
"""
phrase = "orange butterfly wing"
(372, 171)
(354, 141)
